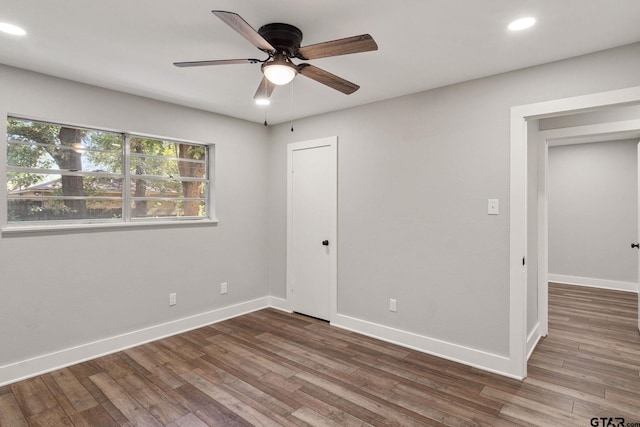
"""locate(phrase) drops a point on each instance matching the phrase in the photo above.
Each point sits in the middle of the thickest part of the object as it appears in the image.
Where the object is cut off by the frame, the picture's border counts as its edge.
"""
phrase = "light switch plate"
(493, 207)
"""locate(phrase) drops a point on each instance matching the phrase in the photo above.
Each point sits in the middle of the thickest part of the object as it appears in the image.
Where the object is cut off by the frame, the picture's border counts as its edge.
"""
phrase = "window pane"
(67, 197)
(163, 170)
(169, 159)
(59, 172)
(190, 197)
(39, 209)
(37, 145)
(167, 208)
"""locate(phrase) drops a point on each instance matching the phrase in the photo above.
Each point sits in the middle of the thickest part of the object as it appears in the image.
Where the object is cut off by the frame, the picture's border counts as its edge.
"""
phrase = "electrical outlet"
(172, 299)
(223, 288)
(392, 305)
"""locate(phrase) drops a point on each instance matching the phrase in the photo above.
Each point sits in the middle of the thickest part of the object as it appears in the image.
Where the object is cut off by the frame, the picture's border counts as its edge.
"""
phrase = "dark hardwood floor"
(273, 368)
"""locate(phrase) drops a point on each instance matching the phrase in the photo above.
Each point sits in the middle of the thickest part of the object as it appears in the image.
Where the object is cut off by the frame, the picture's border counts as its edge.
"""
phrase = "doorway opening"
(622, 132)
(525, 151)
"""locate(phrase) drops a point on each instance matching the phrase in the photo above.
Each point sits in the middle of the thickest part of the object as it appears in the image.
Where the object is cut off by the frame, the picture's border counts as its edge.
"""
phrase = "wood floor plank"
(551, 415)
(10, 413)
(618, 401)
(254, 413)
(33, 396)
(326, 410)
(163, 408)
(50, 417)
(210, 411)
(436, 408)
(188, 420)
(77, 395)
(311, 417)
(126, 404)
(59, 395)
(364, 400)
(274, 368)
(95, 416)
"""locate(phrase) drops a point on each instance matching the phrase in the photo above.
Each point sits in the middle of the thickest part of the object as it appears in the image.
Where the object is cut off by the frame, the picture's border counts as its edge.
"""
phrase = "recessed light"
(12, 29)
(522, 23)
(263, 101)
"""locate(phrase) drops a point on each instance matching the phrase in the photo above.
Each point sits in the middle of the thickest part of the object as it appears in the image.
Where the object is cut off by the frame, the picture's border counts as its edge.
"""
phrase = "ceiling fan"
(281, 42)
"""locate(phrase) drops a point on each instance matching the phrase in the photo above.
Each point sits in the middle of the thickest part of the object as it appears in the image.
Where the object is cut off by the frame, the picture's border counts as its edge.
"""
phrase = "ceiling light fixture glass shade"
(279, 71)
(522, 23)
(12, 29)
(263, 101)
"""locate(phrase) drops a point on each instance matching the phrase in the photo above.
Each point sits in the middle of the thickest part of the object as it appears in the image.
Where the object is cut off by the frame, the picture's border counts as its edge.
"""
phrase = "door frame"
(588, 133)
(518, 205)
(332, 144)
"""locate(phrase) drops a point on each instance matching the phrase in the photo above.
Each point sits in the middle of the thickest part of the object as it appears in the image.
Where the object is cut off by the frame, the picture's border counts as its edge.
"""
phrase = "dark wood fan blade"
(265, 89)
(241, 26)
(216, 62)
(326, 78)
(355, 44)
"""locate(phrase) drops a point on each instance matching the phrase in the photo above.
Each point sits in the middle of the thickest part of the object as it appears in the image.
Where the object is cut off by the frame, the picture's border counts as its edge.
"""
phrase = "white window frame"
(127, 220)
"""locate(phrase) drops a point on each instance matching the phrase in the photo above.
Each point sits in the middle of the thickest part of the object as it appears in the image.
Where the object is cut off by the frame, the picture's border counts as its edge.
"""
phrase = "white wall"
(66, 289)
(593, 215)
(414, 176)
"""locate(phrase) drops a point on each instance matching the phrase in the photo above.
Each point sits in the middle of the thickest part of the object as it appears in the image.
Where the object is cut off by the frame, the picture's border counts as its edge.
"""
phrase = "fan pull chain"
(291, 107)
(265, 116)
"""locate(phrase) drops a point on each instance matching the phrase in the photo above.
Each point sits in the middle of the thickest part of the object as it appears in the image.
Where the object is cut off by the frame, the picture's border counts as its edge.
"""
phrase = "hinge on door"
(523, 261)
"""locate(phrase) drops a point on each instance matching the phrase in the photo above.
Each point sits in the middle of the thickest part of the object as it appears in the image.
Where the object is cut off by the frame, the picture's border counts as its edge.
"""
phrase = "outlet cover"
(392, 305)
(223, 288)
(172, 299)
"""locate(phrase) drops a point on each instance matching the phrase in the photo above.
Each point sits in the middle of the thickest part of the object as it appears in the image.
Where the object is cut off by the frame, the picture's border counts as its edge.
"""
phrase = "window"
(168, 178)
(65, 174)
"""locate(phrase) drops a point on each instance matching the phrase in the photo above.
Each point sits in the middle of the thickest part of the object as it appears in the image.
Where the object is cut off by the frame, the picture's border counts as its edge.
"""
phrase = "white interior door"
(638, 241)
(311, 247)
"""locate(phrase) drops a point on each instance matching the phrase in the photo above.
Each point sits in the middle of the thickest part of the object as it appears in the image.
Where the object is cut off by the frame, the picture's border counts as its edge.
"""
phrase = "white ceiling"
(130, 45)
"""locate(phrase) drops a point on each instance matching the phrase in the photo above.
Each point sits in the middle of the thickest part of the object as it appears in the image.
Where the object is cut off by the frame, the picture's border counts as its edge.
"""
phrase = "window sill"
(70, 228)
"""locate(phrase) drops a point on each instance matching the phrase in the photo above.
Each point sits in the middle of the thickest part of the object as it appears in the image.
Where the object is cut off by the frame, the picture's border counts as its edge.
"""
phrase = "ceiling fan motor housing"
(284, 37)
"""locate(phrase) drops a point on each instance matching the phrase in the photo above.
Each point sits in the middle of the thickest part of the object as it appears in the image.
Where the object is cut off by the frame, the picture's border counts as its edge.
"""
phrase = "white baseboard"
(468, 356)
(533, 339)
(56, 360)
(594, 283)
(280, 304)
(70, 356)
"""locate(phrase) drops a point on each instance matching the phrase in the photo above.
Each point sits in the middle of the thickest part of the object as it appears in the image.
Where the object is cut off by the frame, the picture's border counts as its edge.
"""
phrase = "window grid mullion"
(168, 178)
(165, 158)
(66, 172)
(170, 199)
(60, 147)
(126, 185)
(64, 198)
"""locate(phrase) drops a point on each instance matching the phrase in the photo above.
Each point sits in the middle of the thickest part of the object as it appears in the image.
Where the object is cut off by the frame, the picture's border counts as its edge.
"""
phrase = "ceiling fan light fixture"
(279, 74)
(279, 71)
(263, 101)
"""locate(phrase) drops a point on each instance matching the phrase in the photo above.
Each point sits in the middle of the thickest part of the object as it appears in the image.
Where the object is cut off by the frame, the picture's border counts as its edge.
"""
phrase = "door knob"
(635, 245)
(325, 243)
